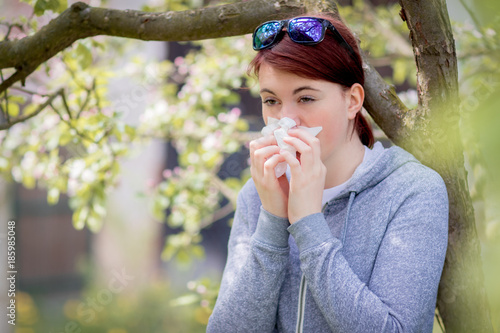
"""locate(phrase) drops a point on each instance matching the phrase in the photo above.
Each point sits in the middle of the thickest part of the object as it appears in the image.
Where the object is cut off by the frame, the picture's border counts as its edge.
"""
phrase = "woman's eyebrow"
(263, 90)
(299, 89)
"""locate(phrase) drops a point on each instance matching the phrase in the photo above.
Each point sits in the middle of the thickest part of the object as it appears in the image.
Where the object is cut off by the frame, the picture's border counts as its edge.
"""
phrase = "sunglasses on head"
(302, 30)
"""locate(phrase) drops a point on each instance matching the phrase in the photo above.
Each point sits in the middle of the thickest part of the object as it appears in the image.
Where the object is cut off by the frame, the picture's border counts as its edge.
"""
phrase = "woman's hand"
(273, 192)
(307, 175)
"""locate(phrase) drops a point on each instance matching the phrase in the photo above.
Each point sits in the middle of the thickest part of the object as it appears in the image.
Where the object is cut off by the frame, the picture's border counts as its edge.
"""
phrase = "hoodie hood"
(377, 166)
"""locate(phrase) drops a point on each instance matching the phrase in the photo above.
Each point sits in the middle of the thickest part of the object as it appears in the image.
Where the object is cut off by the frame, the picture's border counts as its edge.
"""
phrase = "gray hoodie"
(370, 262)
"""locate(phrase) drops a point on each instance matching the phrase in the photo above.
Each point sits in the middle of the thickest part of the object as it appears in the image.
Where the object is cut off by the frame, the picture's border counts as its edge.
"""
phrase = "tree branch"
(26, 91)
(70, 125)
(383, 104)
(9, 29)
(229, 193)
(217, 215)
(20, 119)
(387, 60)
(20, 75)
(7, 115)
(81, 21)
(471, 14)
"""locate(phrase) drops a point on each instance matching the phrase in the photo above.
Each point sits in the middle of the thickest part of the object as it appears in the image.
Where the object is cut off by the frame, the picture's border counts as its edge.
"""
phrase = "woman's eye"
(270, 101)
(307, 99)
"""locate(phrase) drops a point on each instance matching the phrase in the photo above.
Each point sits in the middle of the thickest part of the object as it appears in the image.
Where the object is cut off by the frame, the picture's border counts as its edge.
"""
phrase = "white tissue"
(280, 127)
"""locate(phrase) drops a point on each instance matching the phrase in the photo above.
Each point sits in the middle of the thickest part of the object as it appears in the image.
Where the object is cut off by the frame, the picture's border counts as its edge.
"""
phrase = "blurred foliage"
(384, 37)
(204, 125)
(155, 309)
(478, 50)
(487, 10)
(75, 146)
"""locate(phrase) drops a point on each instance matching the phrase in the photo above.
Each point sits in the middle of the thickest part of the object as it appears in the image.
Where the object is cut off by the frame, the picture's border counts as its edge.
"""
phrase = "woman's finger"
(298, 144)
(306, 137)
(260, 156)
(293, 162)
(260, 150)
(270, 164)
(273, 192)
(309, 154)
(262, 142)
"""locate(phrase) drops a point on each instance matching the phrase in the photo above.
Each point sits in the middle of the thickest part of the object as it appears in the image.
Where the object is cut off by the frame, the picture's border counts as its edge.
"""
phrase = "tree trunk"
(431, 133)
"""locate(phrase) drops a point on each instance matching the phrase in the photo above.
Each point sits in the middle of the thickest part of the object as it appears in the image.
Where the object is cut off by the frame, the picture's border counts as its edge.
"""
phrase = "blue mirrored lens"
(265, 35)
(305, 30)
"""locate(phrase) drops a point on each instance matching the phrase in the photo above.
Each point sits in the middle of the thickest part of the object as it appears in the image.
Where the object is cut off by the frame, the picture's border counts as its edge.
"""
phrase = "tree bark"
(431, 133)
(82, 21)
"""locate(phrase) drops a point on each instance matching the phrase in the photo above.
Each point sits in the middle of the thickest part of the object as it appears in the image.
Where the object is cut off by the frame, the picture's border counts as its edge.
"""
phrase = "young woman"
(353, 237)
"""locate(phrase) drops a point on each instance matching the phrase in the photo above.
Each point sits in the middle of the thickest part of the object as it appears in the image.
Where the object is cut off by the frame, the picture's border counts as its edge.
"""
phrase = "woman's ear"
(356, 99)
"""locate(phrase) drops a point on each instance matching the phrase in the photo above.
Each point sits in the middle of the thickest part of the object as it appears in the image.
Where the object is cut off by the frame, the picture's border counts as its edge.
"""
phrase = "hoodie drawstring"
(349, 205)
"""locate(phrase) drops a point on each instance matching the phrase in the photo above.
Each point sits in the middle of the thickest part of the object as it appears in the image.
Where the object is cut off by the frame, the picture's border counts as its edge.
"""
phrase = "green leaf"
(40, 7)
(4, 164)
(80, 217)
(13, 110)
(176, 219)
(17, 99)
(168, 252)
(400, 68)
(185, 300)
(29, 181)
(30, 108)
(94, 223)
(84, 56)
(29, 2)
(131, 131)
(63, 5)
(53, 196)
(56, 6)
(182, 257)
(98, 45)
(65, 138)
(198, 251)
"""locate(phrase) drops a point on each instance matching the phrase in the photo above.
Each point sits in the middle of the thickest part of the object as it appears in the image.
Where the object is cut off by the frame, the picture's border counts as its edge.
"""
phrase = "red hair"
(327, 61)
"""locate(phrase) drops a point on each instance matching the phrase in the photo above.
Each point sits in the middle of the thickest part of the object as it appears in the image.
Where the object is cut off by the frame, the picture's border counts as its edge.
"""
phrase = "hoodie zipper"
(303, 283)
(302, 297)
(302, 304)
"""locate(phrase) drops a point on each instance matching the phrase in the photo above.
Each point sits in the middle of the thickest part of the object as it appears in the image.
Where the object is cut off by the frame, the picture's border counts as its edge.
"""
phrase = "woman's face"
(310, 103)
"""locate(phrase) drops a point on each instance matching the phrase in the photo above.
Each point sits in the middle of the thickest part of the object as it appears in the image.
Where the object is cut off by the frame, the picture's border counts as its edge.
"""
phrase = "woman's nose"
(290, 113)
